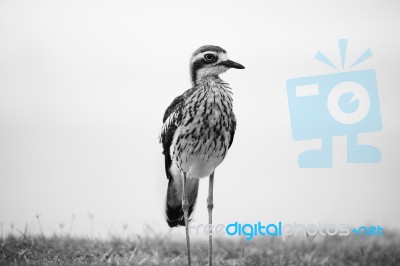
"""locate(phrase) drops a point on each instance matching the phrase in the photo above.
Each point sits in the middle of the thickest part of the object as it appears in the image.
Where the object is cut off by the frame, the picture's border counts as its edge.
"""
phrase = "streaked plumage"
(199, 127)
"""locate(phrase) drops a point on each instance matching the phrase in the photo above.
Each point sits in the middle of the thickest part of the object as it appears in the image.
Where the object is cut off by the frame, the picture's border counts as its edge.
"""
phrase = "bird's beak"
(231, 64)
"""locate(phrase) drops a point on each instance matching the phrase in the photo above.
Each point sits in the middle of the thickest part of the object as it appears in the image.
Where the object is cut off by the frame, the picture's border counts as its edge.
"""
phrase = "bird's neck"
(213, 85)
(207, 81)
(201, 80)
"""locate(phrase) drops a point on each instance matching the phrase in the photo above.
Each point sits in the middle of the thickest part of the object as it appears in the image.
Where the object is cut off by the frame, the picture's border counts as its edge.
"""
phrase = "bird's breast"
(207, 114)
(202, 139)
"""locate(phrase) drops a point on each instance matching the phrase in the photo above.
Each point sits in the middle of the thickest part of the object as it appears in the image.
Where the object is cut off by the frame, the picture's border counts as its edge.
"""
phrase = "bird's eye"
(209, 57)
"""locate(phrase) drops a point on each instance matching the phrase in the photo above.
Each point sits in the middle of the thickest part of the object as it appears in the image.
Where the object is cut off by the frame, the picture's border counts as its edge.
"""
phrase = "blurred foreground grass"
(163, 250)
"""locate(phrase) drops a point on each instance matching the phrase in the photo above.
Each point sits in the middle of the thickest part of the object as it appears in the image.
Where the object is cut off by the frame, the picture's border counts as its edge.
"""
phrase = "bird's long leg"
(210, 205)
(185, 207)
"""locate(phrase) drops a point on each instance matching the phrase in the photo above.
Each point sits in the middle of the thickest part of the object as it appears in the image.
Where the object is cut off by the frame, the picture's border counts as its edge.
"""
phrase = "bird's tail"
(174, 212)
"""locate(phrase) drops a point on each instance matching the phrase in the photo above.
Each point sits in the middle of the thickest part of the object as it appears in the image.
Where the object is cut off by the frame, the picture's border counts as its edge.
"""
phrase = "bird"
(197, 132)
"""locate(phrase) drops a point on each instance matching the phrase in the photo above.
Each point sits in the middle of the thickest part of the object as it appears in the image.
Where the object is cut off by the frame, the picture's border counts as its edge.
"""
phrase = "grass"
(163, 250)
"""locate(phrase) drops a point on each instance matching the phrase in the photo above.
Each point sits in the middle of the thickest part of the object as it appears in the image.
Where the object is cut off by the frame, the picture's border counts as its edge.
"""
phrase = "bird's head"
(210, 60)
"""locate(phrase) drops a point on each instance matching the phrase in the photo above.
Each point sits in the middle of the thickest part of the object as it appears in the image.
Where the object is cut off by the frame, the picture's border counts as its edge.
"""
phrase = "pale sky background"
(84, 86)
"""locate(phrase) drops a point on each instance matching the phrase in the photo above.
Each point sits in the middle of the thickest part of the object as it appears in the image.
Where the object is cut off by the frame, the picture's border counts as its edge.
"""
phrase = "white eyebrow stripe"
(221, 56)
(201, 55)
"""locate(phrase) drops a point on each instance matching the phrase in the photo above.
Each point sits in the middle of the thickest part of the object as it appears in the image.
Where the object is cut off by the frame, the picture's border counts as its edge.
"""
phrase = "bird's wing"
(232, 129)
(171, 120)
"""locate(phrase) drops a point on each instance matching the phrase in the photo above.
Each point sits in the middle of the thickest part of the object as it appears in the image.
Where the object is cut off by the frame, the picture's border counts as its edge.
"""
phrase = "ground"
(162, 250)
